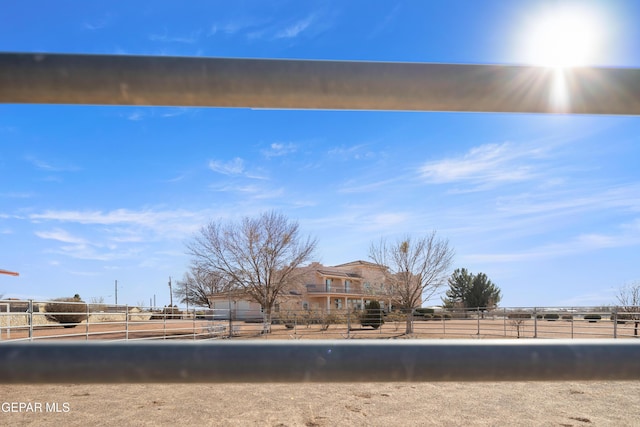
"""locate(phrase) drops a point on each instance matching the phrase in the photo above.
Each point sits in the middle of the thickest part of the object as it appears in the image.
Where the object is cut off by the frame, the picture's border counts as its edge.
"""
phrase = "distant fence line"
(29, 320)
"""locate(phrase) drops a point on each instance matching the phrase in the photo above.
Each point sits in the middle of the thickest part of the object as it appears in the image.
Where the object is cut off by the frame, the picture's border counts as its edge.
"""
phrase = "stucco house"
(323, 288)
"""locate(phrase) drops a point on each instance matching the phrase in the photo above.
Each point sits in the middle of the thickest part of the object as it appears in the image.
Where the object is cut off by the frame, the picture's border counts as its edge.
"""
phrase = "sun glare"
(566, 37)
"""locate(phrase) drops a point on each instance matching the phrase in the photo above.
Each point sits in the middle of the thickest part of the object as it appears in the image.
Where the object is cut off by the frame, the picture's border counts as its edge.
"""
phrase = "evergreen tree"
(469, 291)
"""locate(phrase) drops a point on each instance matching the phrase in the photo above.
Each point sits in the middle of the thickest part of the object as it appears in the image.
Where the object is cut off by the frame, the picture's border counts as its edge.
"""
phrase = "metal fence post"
(478, 315)
(194, 324)
(444, 318)
(573, 311)
(504, 318)
(615, 322)
(30, 320)
(126, 322)
(535, 322)
(87, 325)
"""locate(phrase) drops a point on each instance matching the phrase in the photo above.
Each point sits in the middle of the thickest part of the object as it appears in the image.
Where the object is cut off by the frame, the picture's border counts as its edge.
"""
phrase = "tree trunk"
(409, 329)
(266, 325)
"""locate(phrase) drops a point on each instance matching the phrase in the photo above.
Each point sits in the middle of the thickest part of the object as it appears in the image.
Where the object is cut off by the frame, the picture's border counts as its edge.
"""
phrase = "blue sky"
(547, 206)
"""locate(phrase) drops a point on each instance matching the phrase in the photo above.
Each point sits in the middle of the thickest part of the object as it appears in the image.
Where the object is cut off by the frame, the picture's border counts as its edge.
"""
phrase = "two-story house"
(322, 288)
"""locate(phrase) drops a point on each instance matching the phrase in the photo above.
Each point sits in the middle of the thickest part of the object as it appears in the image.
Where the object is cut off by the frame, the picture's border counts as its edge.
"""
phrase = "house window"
(305, 305)
(327, 284)
(347, 285)
(338, 303)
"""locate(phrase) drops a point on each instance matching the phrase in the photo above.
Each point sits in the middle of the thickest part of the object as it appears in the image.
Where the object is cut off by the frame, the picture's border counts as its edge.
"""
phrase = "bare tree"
(629, 299)
(260, 255)
(198, 285)
(415, 269)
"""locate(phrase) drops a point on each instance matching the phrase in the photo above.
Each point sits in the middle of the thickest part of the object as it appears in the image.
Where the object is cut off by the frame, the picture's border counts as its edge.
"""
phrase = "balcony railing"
(333, 289)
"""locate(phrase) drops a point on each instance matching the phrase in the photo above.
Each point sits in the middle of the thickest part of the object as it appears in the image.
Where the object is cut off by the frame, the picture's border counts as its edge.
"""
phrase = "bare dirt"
(366, 404)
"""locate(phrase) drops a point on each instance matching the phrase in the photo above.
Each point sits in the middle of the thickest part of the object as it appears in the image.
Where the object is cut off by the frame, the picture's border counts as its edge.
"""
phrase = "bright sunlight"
(565, 37)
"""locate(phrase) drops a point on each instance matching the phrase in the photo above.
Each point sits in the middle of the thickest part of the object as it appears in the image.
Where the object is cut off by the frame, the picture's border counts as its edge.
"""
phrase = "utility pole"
(170, 293)
(116, 292)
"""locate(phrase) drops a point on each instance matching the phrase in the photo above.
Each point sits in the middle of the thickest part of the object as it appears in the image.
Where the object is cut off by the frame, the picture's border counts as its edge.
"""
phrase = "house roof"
(337, 273)
(358, 263)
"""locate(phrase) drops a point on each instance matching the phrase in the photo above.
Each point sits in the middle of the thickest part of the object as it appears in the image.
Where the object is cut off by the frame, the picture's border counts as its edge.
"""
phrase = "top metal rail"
(303, 84)
(321, 361)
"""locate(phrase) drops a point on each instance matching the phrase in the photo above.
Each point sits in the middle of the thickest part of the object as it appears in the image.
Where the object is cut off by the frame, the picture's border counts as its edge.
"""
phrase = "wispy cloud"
(258, 29)
(190, 38)
(235, 26)
(94, 26)
(61, 236)
(295, 29)
(50, 166)
(386, 22)
(13, 195)
(486, 165)
(354, 152)
(582, 243)
(98, 24)
(278, 149)
(232, 167)
(138, 114)
(81, 248)
(170, 223)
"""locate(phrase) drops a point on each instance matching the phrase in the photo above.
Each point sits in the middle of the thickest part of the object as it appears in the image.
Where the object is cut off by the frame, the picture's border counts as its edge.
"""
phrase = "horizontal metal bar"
(320, 361)
(303, 84)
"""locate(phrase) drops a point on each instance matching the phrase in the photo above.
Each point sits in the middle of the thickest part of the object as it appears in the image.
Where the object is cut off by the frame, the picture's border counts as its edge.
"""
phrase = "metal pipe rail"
(304, 84)
(321, 361)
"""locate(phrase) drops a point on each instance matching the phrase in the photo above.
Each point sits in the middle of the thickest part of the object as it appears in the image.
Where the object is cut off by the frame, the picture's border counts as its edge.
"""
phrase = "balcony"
(324, 289)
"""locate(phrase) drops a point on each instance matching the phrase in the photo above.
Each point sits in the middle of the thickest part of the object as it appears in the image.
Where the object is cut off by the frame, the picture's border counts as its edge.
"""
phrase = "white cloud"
(17, 195)
(50, 166)
(232, 167)
(61, 236)
(295, 29)
(486, 164)
(582, 243)
(278, 149)
(172, 224)
(355, 152)
(191, 38)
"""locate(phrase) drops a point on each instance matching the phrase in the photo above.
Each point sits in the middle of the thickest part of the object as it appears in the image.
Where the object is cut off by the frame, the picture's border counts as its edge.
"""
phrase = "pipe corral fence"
(30, 320)
(296, 84)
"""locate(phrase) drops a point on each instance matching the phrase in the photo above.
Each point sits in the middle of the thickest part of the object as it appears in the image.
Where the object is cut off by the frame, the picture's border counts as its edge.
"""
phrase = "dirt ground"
(366, 404)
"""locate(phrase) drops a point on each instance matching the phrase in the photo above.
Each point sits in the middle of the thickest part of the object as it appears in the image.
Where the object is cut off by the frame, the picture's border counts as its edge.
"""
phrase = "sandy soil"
(367, 404)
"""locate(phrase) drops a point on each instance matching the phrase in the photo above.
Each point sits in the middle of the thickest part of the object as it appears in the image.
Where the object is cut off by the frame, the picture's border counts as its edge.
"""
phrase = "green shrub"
(551, 316)
(372, 315)
(66, 311)
(567, 317)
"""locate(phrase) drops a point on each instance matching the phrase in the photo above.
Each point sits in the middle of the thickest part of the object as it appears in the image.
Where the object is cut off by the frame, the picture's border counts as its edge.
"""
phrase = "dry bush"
(66, 311)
